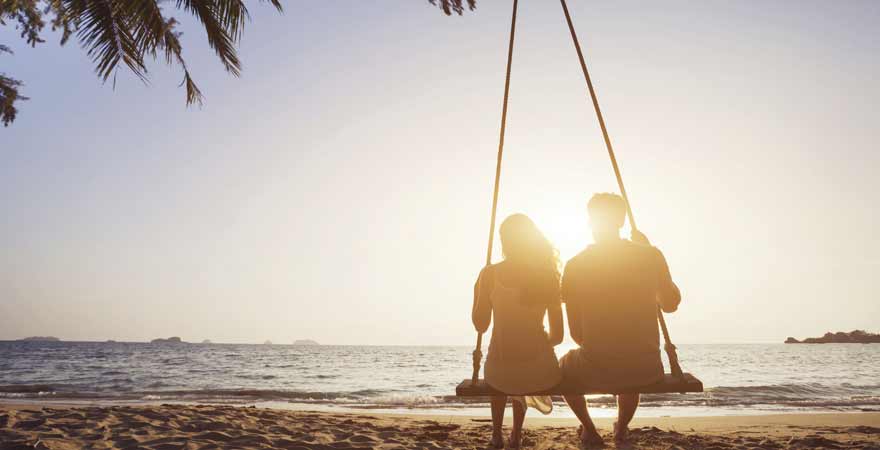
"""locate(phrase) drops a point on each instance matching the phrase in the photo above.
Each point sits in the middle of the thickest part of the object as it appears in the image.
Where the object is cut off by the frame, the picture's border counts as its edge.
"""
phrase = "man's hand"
(639, 238)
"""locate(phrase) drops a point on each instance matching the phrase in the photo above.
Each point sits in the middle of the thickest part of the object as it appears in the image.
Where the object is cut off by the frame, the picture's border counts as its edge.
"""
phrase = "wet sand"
(171, 427)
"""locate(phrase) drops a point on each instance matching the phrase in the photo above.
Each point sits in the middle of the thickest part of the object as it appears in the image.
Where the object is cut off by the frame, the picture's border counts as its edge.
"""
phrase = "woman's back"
(518, 332)
(521, 358)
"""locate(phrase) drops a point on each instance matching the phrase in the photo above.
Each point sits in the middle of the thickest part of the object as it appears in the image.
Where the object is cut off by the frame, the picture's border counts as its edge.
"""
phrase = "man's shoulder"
(651, 251)
(624, 247)
(580, 258)
(648, 254)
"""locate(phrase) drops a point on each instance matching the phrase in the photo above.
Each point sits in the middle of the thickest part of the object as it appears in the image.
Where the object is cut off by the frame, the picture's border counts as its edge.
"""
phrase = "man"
(611, 291)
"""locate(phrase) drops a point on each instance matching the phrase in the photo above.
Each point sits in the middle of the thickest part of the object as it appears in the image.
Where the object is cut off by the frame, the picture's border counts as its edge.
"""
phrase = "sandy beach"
(170, 427)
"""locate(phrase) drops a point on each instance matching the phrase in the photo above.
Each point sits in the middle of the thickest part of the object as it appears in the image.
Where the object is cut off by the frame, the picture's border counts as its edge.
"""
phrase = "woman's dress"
(521, 359)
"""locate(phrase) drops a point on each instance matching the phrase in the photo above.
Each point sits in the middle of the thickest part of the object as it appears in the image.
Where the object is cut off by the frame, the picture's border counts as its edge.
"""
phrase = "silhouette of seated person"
(611, 291)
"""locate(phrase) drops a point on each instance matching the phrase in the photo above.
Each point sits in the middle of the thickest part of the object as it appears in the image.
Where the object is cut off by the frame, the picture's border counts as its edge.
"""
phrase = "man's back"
(611, 291)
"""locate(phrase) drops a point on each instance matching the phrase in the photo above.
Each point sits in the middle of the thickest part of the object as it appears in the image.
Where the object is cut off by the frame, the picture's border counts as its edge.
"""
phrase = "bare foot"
(496, 442)
(515, 440)
(620, 434)
(590, 438)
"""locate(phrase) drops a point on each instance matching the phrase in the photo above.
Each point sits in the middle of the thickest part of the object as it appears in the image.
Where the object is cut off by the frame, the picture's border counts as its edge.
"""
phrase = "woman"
(518, 292)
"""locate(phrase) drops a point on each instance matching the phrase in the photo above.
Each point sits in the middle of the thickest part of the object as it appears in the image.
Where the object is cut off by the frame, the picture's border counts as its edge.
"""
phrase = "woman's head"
(522, 241)
(523, 244)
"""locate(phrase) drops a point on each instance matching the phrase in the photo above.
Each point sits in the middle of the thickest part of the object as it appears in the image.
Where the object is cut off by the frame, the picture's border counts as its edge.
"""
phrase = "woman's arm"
(481, 313)
(557, 327)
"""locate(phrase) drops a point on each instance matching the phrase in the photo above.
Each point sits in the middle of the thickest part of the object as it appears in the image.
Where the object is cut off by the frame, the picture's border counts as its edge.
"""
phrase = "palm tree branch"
(455, 6)
(104, 29)
(219, 37)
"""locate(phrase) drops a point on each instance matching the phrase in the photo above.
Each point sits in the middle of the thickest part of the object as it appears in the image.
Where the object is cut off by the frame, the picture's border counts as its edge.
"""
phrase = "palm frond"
(232, 15)
(154, 33)
(104, 29)
(455, 6)
(219, 39)
(173, 50)
(147, 25)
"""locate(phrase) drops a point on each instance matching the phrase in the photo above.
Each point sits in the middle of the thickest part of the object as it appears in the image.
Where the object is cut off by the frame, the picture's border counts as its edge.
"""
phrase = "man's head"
(607, 213)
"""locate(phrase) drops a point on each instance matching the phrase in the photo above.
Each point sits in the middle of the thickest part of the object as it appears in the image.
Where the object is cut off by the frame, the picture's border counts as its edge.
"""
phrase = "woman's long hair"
(525, 245)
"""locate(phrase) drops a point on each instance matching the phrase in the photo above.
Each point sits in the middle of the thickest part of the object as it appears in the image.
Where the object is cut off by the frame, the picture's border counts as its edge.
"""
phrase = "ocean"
(739, 378)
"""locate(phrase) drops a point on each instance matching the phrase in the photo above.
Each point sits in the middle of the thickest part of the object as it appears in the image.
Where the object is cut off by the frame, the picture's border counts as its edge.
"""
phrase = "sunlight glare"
(568, 229)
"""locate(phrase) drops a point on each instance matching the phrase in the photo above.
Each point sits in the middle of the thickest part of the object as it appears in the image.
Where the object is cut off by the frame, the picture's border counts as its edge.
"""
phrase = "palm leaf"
(103, 28)
(455, 6)
(207, 11)
(154, 32)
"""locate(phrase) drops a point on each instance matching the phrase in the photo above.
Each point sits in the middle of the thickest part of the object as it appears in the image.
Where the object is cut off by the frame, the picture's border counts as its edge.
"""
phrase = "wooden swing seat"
(670, 384)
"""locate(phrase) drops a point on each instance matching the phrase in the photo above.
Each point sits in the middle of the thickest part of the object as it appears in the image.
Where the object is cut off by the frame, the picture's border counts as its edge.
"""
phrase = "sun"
(569, 231)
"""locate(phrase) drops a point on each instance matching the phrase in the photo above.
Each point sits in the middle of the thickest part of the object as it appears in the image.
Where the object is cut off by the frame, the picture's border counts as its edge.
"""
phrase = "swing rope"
(674, 366)
(669, 347)
(478, 352)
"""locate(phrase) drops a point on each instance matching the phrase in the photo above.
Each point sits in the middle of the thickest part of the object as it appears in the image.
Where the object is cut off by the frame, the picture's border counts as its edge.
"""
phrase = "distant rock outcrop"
(853, 337)
(207, 341)
(268, 342)
(305, 342)
(40, 339)
(171, 340)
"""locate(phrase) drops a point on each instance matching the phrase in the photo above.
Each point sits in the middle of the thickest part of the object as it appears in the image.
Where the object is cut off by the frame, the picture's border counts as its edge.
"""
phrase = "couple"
(611, 291)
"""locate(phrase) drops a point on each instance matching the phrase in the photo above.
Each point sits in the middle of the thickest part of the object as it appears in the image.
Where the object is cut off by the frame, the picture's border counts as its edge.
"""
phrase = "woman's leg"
(519, 416)
(498, 403)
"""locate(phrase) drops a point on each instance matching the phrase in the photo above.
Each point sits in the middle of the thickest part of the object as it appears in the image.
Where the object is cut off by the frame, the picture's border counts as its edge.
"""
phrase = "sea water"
(739, 378)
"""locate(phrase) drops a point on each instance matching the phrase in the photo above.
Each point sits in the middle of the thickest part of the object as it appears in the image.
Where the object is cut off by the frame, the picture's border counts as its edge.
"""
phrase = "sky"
(340, 189)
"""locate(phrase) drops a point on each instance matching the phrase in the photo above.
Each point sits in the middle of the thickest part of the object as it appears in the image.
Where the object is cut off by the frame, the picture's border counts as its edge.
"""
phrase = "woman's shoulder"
(490, 272)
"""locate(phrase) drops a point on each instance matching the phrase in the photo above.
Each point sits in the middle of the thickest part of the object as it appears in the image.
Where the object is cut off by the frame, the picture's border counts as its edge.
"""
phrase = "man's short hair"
(607, 210)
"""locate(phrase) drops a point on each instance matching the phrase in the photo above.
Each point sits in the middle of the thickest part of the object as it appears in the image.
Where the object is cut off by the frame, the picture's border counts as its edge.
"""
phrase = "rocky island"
(305, 342)
(853, 337)
(40, 339)
(171, 340)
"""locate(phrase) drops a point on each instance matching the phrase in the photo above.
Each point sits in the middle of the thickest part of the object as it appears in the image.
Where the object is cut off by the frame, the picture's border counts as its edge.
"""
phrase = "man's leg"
(626, 409)
(578, 405)
(498, 403)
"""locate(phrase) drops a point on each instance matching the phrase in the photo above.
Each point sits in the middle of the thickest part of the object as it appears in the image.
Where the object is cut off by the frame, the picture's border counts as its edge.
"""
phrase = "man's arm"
(574, 323)
(572, 309)
(557, 327)
(668, 295)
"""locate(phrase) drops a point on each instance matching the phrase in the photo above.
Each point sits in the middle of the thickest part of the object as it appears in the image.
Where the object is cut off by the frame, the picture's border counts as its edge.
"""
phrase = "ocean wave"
(810, 395)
